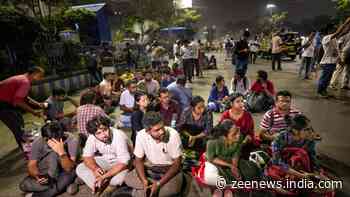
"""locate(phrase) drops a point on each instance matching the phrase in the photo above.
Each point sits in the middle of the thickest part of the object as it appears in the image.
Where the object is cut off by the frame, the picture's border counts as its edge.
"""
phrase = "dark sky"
(219, 12)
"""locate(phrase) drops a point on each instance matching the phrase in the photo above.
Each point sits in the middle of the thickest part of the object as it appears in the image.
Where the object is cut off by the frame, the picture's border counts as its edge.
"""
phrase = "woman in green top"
(223, 157)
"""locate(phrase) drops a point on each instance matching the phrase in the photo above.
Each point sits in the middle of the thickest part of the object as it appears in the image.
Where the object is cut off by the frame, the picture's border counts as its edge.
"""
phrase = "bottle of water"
(173, 121)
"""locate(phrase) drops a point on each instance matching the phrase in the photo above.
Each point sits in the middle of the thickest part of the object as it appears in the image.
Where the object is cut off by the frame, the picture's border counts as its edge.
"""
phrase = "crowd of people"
(172, 131)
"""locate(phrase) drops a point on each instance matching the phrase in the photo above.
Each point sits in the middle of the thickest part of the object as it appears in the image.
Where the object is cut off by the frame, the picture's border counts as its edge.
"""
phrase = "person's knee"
(80, 170)
(118, 179)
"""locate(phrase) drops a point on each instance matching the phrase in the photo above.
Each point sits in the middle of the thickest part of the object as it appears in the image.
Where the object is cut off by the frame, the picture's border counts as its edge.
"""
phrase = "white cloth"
(158, 153)
(211, 174)
(276, 44)
(85, 174)
(194, 49)
(186, 52)
(310, 50)
(254, 46)
(116, 152)
(331, 52)
(240, 86)
(127, 99)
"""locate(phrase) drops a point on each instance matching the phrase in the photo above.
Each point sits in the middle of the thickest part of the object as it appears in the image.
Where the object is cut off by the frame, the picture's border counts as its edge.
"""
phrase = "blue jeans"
(325, 78)
(242, 64)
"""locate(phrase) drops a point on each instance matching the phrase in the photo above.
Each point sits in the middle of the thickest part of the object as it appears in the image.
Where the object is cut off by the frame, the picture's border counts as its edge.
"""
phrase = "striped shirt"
(278, 122)
(85, 113)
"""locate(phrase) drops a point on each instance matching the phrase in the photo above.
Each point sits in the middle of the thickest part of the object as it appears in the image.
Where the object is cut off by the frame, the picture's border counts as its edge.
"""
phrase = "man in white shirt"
(194, 46)
(148, 84)
(276, 51)
(187, 58)
(309, 50)
(127, 103)
(158, 154)
(330, 57)
(105, 155)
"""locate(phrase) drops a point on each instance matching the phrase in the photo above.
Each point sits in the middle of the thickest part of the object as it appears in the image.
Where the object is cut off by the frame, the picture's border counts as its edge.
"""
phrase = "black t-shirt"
(241, 45)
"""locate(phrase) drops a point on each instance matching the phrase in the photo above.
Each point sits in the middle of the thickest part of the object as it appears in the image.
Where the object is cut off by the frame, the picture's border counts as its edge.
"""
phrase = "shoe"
(345, 88)
(72, 189)
(323, 95)
(333, 87)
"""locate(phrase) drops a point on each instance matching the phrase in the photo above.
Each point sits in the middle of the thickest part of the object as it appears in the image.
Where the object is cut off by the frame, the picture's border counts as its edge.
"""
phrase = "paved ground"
(329, 117)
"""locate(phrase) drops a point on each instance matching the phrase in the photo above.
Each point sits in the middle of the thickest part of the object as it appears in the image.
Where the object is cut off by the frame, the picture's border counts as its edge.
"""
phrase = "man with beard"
(161, 147)
(148, 84)
(105, 155)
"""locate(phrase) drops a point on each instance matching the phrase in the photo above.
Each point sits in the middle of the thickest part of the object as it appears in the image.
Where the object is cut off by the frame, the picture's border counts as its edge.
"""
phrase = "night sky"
(219, 12)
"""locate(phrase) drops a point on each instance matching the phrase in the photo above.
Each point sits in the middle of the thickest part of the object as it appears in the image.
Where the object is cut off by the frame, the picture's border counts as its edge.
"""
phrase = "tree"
(343, 10)
(186, 17)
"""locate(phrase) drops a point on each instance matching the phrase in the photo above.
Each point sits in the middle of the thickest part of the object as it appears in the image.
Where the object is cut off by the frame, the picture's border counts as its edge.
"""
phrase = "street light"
(270, 6)
(186, 3)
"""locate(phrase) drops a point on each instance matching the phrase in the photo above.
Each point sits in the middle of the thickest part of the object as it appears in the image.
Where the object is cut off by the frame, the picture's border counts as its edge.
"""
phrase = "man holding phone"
(51, 164)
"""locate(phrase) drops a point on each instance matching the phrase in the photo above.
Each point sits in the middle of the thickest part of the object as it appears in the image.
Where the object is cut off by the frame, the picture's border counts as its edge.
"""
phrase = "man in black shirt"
(242, 53)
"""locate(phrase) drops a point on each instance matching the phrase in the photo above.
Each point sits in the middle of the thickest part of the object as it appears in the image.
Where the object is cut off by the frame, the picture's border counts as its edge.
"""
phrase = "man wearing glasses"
(158, 153)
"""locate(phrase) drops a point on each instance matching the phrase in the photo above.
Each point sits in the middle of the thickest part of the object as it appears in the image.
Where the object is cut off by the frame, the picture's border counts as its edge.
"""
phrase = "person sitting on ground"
(166, 79)
(223, 157)
(180, 93)
(55, 105)
(242, 119)
(106, 157)
(240, 83)
(14, 98)
(274, 120)
(142, 102)
(52, 163)
(218, 95)
(87, 111)
(118, 85)
(148, 85)
(138, 76)
(296, 141)
(105, 89)
(262, 84)
(127, 103)
(158, 155)
(168, 108)
(195, 124)
(212, 62)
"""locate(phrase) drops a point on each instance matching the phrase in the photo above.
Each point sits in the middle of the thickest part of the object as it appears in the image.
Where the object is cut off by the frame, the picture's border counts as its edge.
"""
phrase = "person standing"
(242, 53)
(14, 97)
(194, 46)
(276, 51)
(308, 54)
(187, 61)
(254, 48)
(330, 58)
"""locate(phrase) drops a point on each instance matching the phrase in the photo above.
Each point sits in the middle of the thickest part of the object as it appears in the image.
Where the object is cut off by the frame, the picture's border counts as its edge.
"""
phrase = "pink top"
(15, 89)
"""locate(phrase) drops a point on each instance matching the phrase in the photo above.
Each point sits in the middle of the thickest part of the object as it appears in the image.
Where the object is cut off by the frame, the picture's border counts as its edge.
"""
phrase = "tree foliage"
(186, 17)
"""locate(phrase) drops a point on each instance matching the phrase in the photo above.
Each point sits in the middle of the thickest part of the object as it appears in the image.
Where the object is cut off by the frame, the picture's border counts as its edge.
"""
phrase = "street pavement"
(329, 117)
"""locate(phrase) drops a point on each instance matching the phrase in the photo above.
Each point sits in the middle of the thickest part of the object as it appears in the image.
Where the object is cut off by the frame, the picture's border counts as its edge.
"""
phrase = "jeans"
(325, 78)
(276, 57)
(306, 64)
(13, 119)
(242, 64)
(188, 69)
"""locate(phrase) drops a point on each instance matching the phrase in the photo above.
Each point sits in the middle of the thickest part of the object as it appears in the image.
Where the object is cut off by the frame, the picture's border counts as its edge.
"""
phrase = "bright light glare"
(268, 6)
(186, 3)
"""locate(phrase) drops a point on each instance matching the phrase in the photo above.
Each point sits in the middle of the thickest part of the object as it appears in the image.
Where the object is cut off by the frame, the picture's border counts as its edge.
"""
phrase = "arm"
(140, 169)
(33, 169)
(27, 108)
(66, 162)
(115, 170)
(173, 170)
(126, 109)
(220, 162)
(34, 102)
(91, 163)
(136, 121)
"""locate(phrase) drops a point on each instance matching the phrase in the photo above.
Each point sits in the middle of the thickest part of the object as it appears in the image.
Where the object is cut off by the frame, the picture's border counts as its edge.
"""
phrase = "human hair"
(151, 119)
(58, 92)
(93, 124)
(130, 82)
(285, 93)
(163, 91)
(195, 100)
(147, 72)
(88, 97)
(52, 130)
(298, 122)
(241, 74)
(105, 75)
(181, 80)
(218, 79)
(262, 75)
(35, 69)
(222, 129)
(234, 96)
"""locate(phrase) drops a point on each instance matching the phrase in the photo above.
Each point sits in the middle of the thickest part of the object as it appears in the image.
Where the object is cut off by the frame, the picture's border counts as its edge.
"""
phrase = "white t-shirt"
(116, 152)
(194, 47)
(127, 99)
(309, 51)
(158, 153)
(331, 52)
(239, 88)
(186, 52)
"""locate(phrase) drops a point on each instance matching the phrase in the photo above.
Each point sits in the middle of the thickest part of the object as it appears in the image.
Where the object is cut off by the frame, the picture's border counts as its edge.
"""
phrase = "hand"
(247, 139)
(235, 173)
(42, 180)
(145, 184)
(225, 98)
(154, 189)
(57, 146)
(39, 114)
(43, 105)
(191, 141)
(98, 172)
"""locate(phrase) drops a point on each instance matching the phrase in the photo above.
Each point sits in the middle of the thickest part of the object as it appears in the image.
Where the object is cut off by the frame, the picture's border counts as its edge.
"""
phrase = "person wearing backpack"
(240, 83)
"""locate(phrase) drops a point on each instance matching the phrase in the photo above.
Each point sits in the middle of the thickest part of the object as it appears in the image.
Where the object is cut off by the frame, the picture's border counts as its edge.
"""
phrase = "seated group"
(153, 163)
